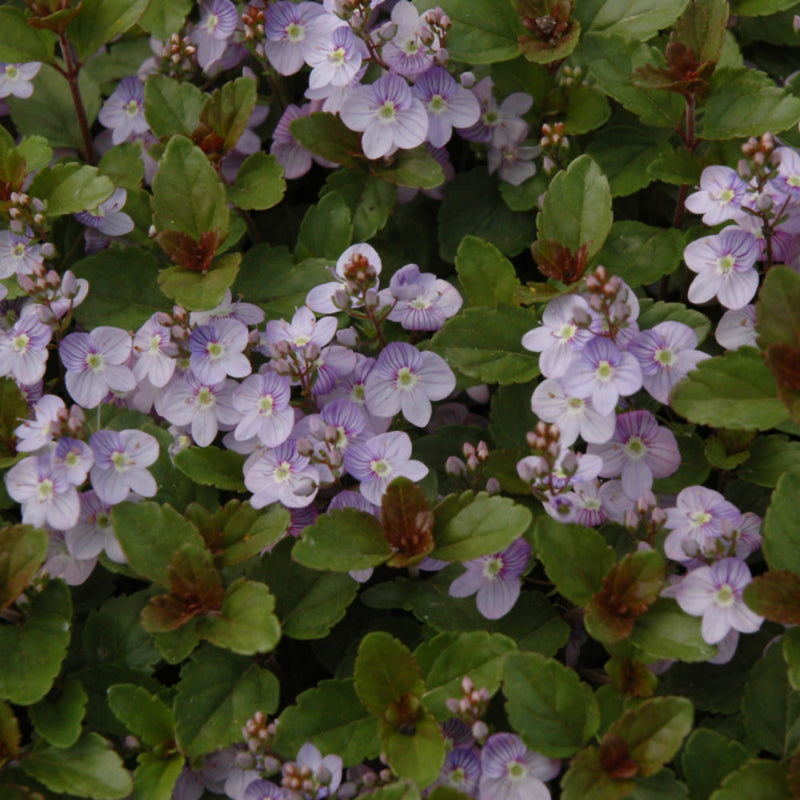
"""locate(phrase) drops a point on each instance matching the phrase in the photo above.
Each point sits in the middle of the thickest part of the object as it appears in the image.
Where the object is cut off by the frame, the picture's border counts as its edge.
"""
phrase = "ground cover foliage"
(399, 400)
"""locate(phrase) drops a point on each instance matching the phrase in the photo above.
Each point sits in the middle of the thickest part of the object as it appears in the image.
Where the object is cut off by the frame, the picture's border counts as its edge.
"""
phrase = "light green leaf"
(369, 199)
(100, 21)
(259, 183)
(23, 549)
(171, 106)
(770, 457)
(641, 254)
(144, 714)
(163, 17)
(756, 780)
(665, 631)
(326, 230)
(487, 276)
(200, 291)
(155, 777)
(20, 42)
(69, 188)
(416, 755)
(416, 169)
(482, 33)
(212, 466)
(227, 111)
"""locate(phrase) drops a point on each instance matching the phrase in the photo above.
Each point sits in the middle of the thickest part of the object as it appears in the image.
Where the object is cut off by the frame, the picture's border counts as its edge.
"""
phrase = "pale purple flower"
(55, 302)
(495, 579)
(666, 355)
(388, 114)
(34, 434)
(697, 516)
(261, 789)
(405, 379)
(640, 450)
(107, 217)
(211, 35)
(302, 331)
(422, 302)
(18, 254)
(569, 469)
(335, 59)
(512, 160)
(498, 123)
(721, 195)
(292, 30)
(461, 771)
(409, 52)
(447, 103)
(290, 154)
(189, 401)
(332, 364)
(121, 459)
(74, 458)
(155, 352)
(326, 773)
(787, 176)
(510, 771)
(604, 373)
(715, 594)
(23, 350)
(217, 350)
(263, 403)
(585, 505)
(15, 79)
(281, 474)
(359, 262)
(60, 563)
(573, 415)
(725, 266)
(246, 313)
(94, 531)
(95, 363)
(44, 492)
(381, 459)
(123, 112)
(737, 328)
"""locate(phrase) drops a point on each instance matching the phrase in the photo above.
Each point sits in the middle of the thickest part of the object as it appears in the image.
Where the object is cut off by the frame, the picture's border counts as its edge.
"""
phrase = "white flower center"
(387, 112)
(635, 448)
(265, 405)
(665, 357)
(44, 491)
(121, 461)
(406, 379)
(725, 264)
(437, 104)
(381, 468)
(604, 371)
(492, 568)
(336, 57)
(205, 398)
(95, 361)
(725, 596)
(20, 342)
(699, 518)
(282, 472)
(295, 32)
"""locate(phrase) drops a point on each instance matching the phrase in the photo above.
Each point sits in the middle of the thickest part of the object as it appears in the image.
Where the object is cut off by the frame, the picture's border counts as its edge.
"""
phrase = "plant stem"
(71, 73)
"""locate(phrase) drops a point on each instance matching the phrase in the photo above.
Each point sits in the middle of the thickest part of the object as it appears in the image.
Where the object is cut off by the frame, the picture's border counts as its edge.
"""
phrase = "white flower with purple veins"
(574, 415)
(15, 79)
(409, 52)
(60, 563)
(123, 112)
(44, 492)
(283, 475)
(423, 302)
(292, 156)
(107, 217)
(23, 350)
(461, 771)
(640, 450)
(715, 594)
(189, 401)
(721, 195)
(388, 114)
(447, 103)
(513, 159)
(405, 379)
(501, 123)
(121, 459)
(95, 363)
(559, 339)
(335, 59)
(737, 328)
(787, 177)
(18, 255)
(358, 263)
(381, 459)
(211, 35)
(35, 434)
(74, 458)
(303, 330)
(94, 531)
(509, 771)
(261, 789)
(666, 356)
(263, 404)
(725, 266)
(155, 353)
(605, 373)
(695, 521)
(496, 579)
(217, 350)
(292, 31)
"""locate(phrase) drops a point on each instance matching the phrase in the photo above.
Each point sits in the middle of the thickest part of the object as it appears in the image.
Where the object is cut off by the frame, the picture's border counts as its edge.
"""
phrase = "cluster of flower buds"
(178, 58)
(253, 19)
(570, 75)
(259, 734)
(471, 706)
(611, 299)
(757, 153)
(646, 520)
(26, 213)
(554, 146)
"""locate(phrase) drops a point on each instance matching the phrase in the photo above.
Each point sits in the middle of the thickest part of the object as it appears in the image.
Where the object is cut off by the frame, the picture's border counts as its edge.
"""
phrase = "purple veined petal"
(471, 581)
(715, 625)
(436, 375)
(204, 427)
(411, 126)
(605, 397)
(73, 350)
(497, 597)
(320, 298)
(114, 343)
(738, 289)
(416, 407)
(119, 379)
(378, 141)
(636, 478)
(440, 130)
(663, 455)
(743, 619)
(696, 592)
(109, 485)
(704, 287)
(596, 427)
(85, 388)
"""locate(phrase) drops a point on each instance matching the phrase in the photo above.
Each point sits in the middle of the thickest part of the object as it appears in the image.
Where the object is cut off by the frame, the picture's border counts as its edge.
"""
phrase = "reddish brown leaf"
(555, 260)
(189, 253)
(615, 758)
(631, 677)
(407, 522)
(776, 596)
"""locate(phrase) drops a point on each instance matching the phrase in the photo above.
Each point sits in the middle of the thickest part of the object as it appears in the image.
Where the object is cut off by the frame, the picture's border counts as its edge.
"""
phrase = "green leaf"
(613, 60)
(581, 108)
(164, 17)
(482, 33)
(69, 188)
(665, 631)
(36, 152)
(416, 169)
(781, 542)
(638, 20)
(369, 199)
(641, 254)
(33, 651)
(587, 780)
(23, 550)
(746, 103)
(791, 654)
(676, 167)
(770, 457)
(212, 466)
(123, 165)
(246, 624)
(58, 719)
(259, 183)
(497, 356)
(217, 694)
(759, 8)
(171, 106)
(488, 278)
(227, 111)
(576, 209)
(385, 672)
(448, 657)
(155, 777)
(326, 230)
(756, 780)
(188, 195)
(652, 313)
(575, 558)
(150, 534)
(468, 527)
(248, 531)
(707, 758)
(143, 714)
(200, 291)
(473, 206)
(100, 21)
(50, 112)
(777, 313)
(20, 42)
(87, 769)
(417, 755)
(341, 540)
(775, 594)
(735, 390)
(331, 717)
(553, 712)
(327, 136)
(400, 790)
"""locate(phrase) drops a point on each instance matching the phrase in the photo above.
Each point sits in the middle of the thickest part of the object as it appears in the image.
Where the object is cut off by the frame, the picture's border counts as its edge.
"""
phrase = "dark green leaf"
(259, 183)
(416, 169)
(369, 199)
(227, 111)
(677, 167)
(416, 755)
(164, 17)
(770, 457)
(326, 230)
(624, 154)
(487, 276)
(100, 21)
(200, 291)
(641, 254)
(581, 108)
(155, 777)
(123, 165)
(652, 313)
(781, 542)
(171, 106)
(58, 719)
(775, 595)
(707, 758)
(484, 33)
(666, 631)
(756, 780)
(638, 20)
(212, 466)
(587, 780)
(23, 549)
(143, 714)
(777, 310)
